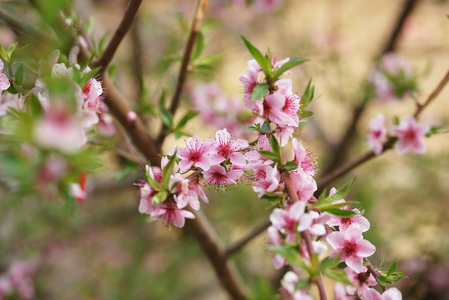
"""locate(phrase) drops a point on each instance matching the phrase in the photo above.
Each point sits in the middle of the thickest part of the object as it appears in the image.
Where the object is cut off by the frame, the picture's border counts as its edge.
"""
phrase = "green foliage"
(259, 91)
(293, 62)
(308, 95)
(263, 60)
(291, 255)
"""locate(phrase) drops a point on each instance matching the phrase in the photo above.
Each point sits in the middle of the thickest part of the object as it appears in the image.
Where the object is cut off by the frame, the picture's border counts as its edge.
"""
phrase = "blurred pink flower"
(4, 81)
(410, 134)
(361, 281)
(377, 133)
(390, 294)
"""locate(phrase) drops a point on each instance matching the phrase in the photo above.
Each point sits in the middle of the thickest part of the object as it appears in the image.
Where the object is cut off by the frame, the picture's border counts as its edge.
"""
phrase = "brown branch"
(375, 273)
(138, 60)
(432, 96)
(236, 246)
(122, 30)
(330, 177)
(202, 230)
(339, 154)
(196, 25)
(119, 107)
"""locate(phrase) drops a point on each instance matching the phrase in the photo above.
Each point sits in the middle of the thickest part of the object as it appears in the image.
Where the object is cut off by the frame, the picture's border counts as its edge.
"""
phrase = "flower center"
(350, 248)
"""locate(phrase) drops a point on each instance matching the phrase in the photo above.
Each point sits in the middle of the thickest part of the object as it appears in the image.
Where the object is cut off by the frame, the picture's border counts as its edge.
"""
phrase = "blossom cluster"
(18, 280)
(409, 134)
(393, 79)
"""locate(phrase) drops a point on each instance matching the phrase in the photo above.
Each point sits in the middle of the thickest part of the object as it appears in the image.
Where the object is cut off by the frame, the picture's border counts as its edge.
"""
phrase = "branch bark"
(341, 150)
(196, 25)
(122, 30)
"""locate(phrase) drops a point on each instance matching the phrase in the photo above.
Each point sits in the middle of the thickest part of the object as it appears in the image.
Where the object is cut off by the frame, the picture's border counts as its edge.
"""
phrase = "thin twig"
(122, 30)
(196, 25)
(375, 273)
(432, 96)
(119, 107)
(339, 154)
(236, 246)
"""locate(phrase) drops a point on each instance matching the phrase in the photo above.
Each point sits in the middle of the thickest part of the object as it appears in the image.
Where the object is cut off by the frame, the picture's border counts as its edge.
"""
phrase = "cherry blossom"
(171, 214)
(288, 288)
(303, 158)
(196, 153)
(219, 176)
(377, 133)
(228, 148)
(351, 245)
(267, 179)
(60, 130)
(390, 294)
(361, 281)
(8, 101)
(304, 184)
(276, 240)
(410, 134)
(340, 292)
(20, 275)
(4, 81)
(290, 220)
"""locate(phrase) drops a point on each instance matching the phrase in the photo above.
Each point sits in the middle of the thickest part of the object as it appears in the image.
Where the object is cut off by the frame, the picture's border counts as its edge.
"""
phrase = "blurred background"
(107, 250)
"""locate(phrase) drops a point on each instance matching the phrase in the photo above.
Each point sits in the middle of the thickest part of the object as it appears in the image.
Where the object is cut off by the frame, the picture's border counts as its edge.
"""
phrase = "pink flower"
(361, 281)
(340, 292)
(228, 148)
(185, 192)
(146, 193)
(219, 176)
(171, 214)
(59, 129)
(276, 239)
(290, 220)
(288, 288)
(7, 101)
(344, 223)
(410, 135)
(352, 247)
(390, 294)
(304, 184)
(196, 153)
(272, 109)
(267, 179)
(377, 133)
(303, 158)
(4, 81)
(20, 275)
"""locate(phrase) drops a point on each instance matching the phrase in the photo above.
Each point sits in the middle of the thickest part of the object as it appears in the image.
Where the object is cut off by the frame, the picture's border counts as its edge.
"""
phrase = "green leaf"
(168, 170)
(11, 48)
(392, 268)
(291, 165)
(159, 197)
(187, 117)
(164, 113)
(340, 194)
(199, 46)
(306, 114)
(275, 147)
(253, 128)
(208, 59)
(264, 61)
(270, 197)
(433, 130)
(338, 276)
(291, 255)
(18, 76)
(308, 94)
(266, 127)
(342, 213)
(382, 280)
(85, 77)
(152, 182)
(4, 56)
(259, 91)
(329, 262)
(295, 61)
(270, 155)
(14, 54)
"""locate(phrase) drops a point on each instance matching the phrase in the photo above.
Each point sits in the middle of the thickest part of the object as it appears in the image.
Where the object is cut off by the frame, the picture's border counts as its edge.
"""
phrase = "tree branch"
(122, 30)
(340, 152)
(375, 273)
(236, 246)
(119, 107)
(196, 25)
